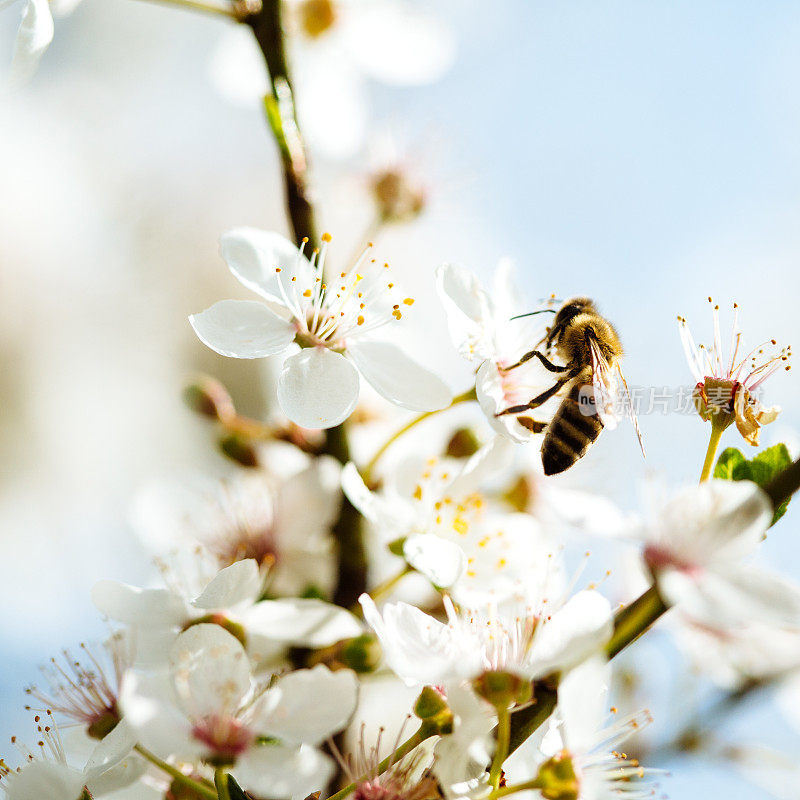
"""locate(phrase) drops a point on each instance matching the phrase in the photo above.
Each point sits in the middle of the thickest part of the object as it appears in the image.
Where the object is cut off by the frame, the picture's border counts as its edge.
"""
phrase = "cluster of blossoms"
(241, 667)
(307, 585)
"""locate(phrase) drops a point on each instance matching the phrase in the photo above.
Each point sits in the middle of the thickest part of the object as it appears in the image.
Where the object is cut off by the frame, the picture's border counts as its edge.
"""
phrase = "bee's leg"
(542, 398)
(546, 363)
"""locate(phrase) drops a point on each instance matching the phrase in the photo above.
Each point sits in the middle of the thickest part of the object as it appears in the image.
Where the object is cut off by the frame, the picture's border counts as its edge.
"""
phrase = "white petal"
(314, 704)
(283, 772)
(440, 561)
(580, 628)
(487, 463)
(44, 779)
(318, 388)
(33, 37)
(398, 378)
(238, 583)
(399, 43)
(127, 772)
(111, 751)
(392, 516)
(242, 329)
(147, 700)
(582, 695)
(132, 605)
(418, 648)
(302, 622)
(254, 256)
(210, 669)
(469, 311)
(493, 399)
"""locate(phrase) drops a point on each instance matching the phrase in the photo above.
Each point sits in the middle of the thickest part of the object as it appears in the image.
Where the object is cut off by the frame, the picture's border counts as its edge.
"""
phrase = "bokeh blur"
(644, 154)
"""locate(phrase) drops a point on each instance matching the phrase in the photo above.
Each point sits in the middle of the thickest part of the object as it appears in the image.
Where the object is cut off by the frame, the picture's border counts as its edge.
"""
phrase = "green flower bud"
(463, 443)
(431, 707)
(502, 689)
(209, 398)
(239, 450)
(557, 779)
(361, 654)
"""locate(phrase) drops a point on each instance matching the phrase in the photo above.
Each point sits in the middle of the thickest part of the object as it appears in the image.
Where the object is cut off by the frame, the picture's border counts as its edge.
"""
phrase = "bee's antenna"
(531, 313)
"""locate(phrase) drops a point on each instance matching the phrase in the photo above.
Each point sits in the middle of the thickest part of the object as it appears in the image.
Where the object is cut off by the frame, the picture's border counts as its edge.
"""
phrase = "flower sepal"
(436, 715)
(502, 689)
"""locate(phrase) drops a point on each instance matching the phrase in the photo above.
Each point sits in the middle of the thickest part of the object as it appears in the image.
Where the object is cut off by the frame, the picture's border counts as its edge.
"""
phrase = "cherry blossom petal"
(314, 704)
(147, 699)
(132, 605)
(238, 583)
(112, 751)
(392, 516)
(469, 311)
(582, 696)
(242, 329)
(318, 388)
(492, 399)
(45, 779)
(283, 772)
(418, 648)
(580, 628)
(254, 256)
(302, 622)
(398, 378)
(440, 561)
(210, 670)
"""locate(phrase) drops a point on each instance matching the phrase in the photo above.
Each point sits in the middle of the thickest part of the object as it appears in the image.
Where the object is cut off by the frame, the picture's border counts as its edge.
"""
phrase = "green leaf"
(729, 459)
(761, 469)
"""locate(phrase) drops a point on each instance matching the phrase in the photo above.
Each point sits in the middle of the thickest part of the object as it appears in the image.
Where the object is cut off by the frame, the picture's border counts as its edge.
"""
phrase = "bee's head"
(565, 315)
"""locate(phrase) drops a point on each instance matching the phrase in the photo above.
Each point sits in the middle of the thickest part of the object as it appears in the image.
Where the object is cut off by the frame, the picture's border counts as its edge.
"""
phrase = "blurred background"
(645, 154)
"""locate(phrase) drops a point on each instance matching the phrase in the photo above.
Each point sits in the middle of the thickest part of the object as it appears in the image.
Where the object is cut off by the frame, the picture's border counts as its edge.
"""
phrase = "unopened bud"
(431, 707)
(557, 779)
(209, 398)
(398, 199)
(239, 449)
(502, 689)
(463, 444)
(361, 654)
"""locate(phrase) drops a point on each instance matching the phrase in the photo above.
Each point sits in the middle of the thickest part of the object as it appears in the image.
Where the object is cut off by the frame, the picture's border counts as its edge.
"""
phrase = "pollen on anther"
(307, 293)
(409, 301)
(360, 320)
(326, 237)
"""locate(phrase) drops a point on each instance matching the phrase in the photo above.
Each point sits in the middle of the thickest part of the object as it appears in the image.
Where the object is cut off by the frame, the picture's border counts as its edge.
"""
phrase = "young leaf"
(729, 460)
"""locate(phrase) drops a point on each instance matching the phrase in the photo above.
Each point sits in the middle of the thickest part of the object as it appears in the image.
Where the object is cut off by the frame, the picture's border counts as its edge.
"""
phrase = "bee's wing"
(612, 398)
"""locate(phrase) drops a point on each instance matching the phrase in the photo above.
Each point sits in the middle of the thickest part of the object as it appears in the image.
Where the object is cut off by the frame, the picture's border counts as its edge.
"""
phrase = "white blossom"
(205, 704)
(332, 322)
(230, 599)
(482, 328)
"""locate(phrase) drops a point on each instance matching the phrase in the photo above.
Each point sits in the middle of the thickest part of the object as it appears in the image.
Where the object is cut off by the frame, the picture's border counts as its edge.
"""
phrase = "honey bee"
(590, 380)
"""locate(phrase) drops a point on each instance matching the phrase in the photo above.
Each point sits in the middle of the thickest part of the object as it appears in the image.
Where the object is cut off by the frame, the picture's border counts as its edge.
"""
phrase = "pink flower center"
(659, 558)
(225, 736)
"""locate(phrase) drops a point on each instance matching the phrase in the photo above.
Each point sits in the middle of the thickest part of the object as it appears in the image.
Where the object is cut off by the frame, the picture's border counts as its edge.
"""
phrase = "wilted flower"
(726, 387)
(482, 328)
(46, 773)
(319, 385)
(206, 705)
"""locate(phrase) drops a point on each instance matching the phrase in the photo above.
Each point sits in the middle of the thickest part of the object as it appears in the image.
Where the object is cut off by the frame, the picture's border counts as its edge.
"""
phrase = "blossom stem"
(401, 752)
(382, 589)
(368, 470)
(633, 620)
(221, 782)
(267, 27)
(201, 789)
(199, 5)
(513, 788)
(501, 748)
(711, 453)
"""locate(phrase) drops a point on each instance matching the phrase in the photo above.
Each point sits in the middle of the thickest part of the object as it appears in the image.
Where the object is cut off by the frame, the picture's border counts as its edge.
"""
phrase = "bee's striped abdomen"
(570, 432)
